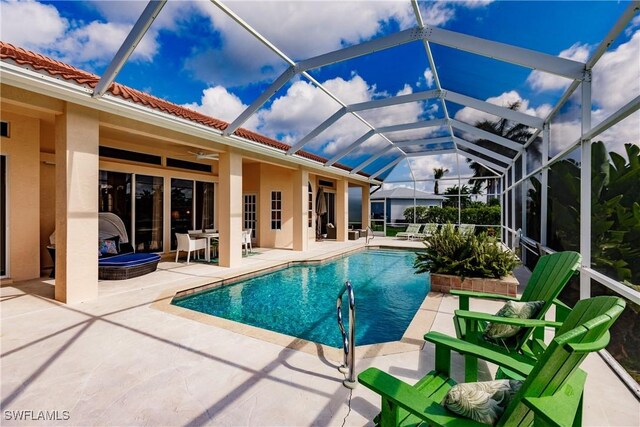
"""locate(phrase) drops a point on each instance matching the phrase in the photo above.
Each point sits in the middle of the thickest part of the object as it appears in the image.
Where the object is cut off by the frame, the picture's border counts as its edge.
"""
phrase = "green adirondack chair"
(549, 277)
(551, 395)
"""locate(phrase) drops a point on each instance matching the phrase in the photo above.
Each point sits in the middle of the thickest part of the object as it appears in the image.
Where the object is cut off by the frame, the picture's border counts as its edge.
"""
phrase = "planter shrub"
(447, 251)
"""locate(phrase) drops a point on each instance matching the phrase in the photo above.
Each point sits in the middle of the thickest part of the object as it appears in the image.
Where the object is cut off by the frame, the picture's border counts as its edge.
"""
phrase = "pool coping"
(412, 339)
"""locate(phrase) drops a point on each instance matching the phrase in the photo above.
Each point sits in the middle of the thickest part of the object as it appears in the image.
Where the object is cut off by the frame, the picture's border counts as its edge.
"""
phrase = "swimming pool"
(300, 300)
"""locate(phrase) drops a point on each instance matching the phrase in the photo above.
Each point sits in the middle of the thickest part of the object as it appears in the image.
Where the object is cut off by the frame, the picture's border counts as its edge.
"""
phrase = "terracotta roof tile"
(67, 72)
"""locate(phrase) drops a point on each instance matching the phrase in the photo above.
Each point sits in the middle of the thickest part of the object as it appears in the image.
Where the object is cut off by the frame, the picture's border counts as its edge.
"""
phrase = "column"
(230, 208)
(585, 188)
(76, 141)
(300, 210)
(342, 210)
(366, 206)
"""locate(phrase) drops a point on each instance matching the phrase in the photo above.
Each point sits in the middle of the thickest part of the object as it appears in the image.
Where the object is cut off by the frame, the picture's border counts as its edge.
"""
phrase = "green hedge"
(484, 215)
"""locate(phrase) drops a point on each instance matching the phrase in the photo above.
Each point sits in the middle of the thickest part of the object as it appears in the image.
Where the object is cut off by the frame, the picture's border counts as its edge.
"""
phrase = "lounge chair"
(429, 229)
(550, 394)
(412, 230)
(467, 228)
(549, 277)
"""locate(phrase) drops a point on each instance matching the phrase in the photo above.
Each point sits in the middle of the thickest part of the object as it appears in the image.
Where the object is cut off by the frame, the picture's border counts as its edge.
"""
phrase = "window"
(148, 217)
(310, 206)
(276, 210)
(250, 218)
(183, 164)
(133, 156)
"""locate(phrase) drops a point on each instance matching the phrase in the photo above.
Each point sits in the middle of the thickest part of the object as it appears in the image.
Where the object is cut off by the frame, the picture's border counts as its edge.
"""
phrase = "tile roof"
(41, 63)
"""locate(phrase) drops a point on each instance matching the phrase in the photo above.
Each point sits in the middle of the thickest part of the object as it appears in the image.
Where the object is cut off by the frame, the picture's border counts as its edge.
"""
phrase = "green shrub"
(450, 252)
(477, 214)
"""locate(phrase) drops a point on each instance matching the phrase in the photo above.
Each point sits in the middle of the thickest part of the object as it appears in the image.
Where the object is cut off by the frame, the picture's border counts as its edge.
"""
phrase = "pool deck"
(120, 360)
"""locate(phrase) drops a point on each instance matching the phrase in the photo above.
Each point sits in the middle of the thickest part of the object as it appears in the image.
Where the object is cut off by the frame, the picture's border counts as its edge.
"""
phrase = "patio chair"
(188, 245)
(412, 229)
(246, 240)
(549, 277)
(551, 394)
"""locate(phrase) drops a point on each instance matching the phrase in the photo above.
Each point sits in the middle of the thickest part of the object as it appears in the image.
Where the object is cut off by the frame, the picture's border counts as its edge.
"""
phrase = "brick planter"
(443, 283)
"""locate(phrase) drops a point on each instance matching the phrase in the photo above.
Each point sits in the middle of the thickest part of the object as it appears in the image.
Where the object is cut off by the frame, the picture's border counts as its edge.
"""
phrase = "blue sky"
(195, 55)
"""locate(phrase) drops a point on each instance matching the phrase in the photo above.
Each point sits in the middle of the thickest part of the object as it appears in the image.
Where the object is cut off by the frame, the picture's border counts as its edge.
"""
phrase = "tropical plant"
(615, 232)
(438, 173)
(517, 132)
(447, 251)
(615, 210)
(454, 193)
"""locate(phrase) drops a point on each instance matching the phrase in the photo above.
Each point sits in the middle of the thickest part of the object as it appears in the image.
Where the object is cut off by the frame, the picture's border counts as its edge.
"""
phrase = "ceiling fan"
(200, 155)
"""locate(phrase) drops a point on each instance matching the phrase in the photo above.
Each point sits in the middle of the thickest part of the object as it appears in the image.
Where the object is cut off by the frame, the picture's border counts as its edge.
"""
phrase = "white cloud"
(98, 42)
(542, 81)
(303, 30)
(635, 23)
(429, 77)
(472, 116)
(76, 42)
(219, 103)
(422, 167)
(45, 23)
(614, 83)
(616, 76)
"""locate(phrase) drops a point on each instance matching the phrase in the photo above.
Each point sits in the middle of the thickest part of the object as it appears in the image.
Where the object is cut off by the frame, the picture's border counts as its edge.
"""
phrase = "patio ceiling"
(497, 154)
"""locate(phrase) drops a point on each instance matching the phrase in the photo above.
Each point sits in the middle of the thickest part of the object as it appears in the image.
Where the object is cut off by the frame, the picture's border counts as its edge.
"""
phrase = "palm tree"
(437, 174)
(516, 132)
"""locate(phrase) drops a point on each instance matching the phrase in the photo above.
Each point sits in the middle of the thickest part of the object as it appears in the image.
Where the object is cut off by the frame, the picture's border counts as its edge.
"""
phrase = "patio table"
(208, 236)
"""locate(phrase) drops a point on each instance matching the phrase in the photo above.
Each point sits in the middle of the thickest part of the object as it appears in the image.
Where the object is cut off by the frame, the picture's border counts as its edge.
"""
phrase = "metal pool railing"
(348, 342)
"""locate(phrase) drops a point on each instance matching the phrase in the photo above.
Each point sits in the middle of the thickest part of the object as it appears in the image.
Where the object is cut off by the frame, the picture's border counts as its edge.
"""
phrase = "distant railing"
(348, 342)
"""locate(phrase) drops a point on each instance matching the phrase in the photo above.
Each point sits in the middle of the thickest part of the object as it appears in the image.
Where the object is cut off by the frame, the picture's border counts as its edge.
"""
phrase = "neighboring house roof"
(404, 193)
(40, 63)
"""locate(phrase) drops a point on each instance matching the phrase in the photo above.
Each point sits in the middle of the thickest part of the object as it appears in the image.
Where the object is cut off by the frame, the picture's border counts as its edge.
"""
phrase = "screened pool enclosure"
(559, 167)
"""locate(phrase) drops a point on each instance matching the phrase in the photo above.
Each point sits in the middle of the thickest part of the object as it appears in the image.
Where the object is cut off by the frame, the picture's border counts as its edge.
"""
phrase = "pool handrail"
(348, 343)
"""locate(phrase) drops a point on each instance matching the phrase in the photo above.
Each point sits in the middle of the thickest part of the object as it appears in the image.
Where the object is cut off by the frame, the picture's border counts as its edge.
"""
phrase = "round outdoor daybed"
(127, 266)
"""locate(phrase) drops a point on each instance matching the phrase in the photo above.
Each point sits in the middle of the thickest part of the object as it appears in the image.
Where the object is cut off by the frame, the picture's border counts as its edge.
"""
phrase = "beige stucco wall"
(22, 149)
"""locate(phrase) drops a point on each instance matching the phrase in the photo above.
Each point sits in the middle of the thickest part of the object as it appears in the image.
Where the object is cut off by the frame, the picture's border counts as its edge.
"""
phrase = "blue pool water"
(301, 300)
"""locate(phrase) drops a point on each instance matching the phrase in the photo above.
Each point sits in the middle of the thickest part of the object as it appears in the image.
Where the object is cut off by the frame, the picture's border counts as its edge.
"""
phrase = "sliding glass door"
(148, 216)
(114, 195)
(204, 205)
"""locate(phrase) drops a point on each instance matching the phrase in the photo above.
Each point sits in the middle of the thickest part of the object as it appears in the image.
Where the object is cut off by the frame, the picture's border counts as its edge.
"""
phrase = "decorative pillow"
(512, 310)
(483, 402)
(108, 247)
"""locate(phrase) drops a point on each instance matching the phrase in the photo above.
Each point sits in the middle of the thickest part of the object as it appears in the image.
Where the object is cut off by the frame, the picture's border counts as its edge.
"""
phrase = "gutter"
(24, 78)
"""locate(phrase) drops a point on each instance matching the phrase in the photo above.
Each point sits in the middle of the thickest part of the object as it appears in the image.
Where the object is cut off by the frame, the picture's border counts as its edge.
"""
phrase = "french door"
(250, 214)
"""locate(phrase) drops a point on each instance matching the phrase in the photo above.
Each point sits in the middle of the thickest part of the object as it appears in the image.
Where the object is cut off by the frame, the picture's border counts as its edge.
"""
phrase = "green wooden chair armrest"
(465, 295)
(562, 310)
(410, 399)
(509, 361)
(527, 323)
(560, 409)
(597, 345)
